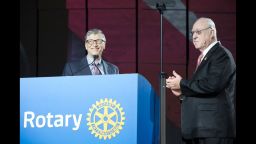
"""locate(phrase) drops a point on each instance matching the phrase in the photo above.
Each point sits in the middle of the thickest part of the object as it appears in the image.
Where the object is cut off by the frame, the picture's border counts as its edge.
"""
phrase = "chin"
(95, 53)
(196, 47)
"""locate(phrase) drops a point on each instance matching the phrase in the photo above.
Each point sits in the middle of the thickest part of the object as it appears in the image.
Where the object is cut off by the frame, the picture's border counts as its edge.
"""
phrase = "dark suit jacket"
(82, 68)
(208, 108)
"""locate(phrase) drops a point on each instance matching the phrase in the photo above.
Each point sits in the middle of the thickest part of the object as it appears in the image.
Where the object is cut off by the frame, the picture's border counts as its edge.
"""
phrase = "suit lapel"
(105, 67)
(85, 67)
(208, 56)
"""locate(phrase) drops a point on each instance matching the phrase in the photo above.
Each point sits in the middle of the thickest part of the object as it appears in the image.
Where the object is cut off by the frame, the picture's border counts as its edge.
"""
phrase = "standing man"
(92, 64)
(208, 107)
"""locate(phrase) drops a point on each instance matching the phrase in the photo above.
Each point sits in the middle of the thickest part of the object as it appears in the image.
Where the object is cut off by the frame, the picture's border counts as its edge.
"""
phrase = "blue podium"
(103, 109)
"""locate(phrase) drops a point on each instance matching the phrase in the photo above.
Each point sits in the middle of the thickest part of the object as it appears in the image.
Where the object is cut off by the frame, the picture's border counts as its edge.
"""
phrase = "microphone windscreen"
(95, 57)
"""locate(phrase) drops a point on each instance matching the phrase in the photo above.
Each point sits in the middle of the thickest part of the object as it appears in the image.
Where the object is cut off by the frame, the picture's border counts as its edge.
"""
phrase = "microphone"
(93, 62)
(95, 57)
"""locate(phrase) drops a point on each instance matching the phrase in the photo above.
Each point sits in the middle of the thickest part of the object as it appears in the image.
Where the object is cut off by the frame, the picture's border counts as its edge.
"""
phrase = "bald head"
(204, 33)
(205, 22)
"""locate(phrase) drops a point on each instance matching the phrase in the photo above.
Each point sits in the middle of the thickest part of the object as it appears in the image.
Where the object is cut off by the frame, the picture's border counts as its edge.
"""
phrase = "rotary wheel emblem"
(105, 119)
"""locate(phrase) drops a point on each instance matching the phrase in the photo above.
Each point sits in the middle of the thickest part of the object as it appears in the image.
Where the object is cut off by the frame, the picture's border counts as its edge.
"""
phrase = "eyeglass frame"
(97, 41)
(198, 32)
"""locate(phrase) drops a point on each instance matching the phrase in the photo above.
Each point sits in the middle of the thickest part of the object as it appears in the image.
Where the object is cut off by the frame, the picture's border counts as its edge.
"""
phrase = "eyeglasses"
(198, 31)
(97, 41)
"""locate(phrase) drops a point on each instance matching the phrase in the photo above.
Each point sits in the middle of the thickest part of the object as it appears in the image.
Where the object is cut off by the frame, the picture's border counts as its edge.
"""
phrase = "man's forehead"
(199, 25)
(94, 35)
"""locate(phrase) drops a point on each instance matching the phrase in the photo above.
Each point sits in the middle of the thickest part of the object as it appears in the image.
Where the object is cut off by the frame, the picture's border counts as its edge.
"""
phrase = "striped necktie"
(95, 69)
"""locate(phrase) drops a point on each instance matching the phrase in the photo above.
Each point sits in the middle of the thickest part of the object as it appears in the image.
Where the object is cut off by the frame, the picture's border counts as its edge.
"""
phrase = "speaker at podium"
(102, 109)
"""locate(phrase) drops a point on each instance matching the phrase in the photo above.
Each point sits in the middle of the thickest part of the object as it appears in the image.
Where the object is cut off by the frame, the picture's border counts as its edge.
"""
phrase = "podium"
(102, 109)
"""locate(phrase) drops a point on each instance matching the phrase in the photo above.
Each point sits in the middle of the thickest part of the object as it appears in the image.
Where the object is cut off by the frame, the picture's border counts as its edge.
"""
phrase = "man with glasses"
(92, 63)
(207, 99)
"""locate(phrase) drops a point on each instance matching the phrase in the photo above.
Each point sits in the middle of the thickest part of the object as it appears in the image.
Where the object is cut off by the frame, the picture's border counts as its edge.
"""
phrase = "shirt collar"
(90, 59)
(209, 47)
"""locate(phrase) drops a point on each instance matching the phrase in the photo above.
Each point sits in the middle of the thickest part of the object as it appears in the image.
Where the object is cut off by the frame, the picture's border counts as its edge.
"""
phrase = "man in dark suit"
(208, 107)
(92, 63)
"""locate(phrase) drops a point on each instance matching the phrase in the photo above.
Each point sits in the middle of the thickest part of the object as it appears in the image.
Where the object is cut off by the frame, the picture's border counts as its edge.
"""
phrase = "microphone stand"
(161, 7)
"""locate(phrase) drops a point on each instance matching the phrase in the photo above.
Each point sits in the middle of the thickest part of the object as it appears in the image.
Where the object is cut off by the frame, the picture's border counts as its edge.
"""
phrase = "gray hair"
(212, 25)
(95, 31)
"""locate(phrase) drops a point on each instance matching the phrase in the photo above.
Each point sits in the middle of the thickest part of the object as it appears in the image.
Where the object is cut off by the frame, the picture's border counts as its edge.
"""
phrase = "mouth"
(95, 48)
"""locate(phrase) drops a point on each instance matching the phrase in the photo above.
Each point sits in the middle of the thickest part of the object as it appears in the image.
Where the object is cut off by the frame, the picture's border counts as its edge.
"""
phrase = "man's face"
(95, 44)
(201, 33)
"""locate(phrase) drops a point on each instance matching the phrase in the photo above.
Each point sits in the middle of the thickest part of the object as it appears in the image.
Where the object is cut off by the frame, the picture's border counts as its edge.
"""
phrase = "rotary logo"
(105, 118)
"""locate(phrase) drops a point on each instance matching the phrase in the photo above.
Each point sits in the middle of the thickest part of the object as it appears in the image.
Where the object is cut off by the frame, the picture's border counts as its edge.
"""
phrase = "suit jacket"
(82, 68)
(208, 107)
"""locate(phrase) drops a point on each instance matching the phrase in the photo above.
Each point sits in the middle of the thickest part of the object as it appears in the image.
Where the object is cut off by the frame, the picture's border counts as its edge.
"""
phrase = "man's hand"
(173, 82)
(176, 92)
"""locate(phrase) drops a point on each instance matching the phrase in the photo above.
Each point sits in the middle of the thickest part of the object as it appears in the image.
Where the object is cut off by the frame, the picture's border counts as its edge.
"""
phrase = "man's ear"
(104, 46)
(85, 46)
(212, 33)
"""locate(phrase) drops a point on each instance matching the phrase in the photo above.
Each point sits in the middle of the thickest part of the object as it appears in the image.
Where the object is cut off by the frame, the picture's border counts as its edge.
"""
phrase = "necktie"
(95, 69)
(199, 60)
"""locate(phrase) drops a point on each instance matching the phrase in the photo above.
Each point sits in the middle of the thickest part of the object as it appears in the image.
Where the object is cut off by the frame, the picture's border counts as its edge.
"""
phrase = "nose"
(95, 44)
(194, 36)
